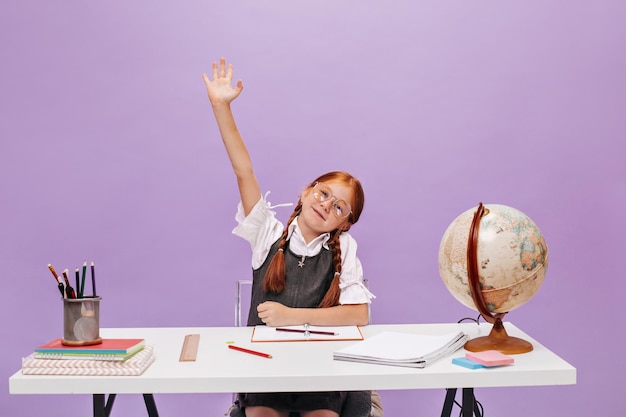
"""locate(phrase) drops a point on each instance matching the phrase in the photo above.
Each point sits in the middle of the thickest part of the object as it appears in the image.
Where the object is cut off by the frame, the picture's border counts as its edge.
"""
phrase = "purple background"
(110, 153)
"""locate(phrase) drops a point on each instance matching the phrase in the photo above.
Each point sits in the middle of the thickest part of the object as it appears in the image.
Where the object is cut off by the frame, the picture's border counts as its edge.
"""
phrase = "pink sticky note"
(490, 358)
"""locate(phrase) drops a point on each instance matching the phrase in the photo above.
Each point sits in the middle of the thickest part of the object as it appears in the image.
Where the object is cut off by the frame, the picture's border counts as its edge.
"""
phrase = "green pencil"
(77, 277)
(82, 283)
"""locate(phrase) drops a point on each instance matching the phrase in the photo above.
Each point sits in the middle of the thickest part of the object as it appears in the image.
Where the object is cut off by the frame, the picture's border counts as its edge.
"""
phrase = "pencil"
(93, 278)
(69, 291)
(82, 284)
(282, 329)
(54, 273)
(252, 352)
(60, 284)
(77, 278)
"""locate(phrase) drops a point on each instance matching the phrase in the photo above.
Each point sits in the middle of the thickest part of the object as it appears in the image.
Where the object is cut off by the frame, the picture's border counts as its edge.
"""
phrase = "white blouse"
(261, 229)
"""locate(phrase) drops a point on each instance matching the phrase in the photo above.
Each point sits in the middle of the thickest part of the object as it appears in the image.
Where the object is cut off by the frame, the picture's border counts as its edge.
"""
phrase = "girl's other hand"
(273, 314)
(219, 88)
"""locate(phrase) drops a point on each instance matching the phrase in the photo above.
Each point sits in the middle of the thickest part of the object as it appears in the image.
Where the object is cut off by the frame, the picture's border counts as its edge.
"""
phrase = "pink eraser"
(490, 358)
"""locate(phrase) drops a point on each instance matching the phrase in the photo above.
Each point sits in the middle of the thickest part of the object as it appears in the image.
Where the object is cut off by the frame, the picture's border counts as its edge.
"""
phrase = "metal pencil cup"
(81, 321)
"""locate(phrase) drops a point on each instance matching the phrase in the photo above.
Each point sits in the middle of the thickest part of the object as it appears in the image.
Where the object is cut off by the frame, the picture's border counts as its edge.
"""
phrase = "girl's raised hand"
(219, 88)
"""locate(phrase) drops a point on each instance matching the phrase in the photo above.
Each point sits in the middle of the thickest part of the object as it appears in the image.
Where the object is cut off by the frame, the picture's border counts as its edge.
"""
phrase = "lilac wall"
(109, 153)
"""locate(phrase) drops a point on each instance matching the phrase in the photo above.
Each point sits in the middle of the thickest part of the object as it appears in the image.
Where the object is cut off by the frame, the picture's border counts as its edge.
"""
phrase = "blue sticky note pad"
(467, 363)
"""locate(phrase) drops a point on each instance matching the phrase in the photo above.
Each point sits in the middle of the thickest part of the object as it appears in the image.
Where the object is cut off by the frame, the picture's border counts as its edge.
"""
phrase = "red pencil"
(54, 273)
(252, 352)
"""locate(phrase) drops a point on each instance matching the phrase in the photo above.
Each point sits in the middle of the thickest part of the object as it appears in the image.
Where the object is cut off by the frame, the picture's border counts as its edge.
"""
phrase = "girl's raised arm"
(221, 94)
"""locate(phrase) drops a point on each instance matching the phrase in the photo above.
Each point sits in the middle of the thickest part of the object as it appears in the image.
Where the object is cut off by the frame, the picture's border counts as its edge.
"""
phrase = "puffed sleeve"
(353, 290)
(260, 228)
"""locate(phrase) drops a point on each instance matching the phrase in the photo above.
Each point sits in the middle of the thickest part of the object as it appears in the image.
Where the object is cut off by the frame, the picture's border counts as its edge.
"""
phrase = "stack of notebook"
(111, 357)
(402, 349)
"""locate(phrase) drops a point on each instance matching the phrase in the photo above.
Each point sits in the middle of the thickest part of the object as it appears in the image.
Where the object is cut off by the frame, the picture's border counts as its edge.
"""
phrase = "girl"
(306, 273)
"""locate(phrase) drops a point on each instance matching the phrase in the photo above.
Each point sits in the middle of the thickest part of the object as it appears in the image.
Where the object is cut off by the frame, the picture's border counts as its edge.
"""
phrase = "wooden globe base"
(499, 340)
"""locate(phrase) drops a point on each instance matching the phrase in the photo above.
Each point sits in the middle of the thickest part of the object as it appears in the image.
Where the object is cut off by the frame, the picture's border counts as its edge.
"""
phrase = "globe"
(493, 259)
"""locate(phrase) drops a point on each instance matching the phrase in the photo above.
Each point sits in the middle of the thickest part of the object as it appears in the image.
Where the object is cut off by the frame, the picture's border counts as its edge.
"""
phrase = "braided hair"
(274, 280)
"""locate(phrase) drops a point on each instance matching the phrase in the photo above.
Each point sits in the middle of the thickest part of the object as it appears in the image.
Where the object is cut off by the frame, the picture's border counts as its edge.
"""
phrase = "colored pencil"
(281, 329)
(252, 352)
(69, 291)
(54, 273)
(60, 284)
(82, 285)
(93, 278)
(77, 278)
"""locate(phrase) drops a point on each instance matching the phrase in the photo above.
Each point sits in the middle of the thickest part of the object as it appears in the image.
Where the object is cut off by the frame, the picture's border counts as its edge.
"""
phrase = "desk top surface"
(295, 366)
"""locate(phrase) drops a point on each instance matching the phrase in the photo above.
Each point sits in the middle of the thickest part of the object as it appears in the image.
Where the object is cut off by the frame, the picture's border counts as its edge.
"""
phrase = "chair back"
(243, 294)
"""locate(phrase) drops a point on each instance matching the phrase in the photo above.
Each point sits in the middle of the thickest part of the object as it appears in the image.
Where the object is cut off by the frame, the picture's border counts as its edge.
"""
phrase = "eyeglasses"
(322, 192)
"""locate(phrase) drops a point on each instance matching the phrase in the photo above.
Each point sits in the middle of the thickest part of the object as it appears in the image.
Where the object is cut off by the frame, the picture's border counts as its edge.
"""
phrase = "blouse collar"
(299, 246)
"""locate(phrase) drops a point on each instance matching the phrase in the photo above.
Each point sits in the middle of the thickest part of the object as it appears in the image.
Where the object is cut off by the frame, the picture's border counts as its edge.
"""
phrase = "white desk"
(295, 366)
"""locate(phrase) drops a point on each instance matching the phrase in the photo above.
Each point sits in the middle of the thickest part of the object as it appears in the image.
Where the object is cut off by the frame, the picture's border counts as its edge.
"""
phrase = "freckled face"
(317, 216)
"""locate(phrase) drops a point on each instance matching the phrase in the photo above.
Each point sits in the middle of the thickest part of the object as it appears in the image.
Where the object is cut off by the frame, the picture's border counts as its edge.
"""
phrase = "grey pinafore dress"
(306, 282)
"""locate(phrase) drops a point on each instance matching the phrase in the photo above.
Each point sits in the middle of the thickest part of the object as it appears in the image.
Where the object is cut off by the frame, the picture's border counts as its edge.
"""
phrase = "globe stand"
(498, 338)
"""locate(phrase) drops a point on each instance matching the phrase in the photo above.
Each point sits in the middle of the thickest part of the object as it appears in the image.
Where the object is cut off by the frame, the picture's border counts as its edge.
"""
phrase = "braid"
(332, 295)
(274, 280)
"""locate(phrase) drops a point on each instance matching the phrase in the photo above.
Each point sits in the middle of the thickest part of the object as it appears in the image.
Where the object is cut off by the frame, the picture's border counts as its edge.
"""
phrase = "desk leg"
(469, 403)
(100, 408)
(469, 408)
(150, 405)
(449, 402)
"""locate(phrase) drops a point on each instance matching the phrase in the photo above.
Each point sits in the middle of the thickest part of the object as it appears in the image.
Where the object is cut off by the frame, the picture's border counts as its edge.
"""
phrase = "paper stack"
(402, 349)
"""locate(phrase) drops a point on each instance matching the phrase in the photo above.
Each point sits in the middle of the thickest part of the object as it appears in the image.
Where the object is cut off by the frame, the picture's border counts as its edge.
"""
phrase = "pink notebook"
(490, 358)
